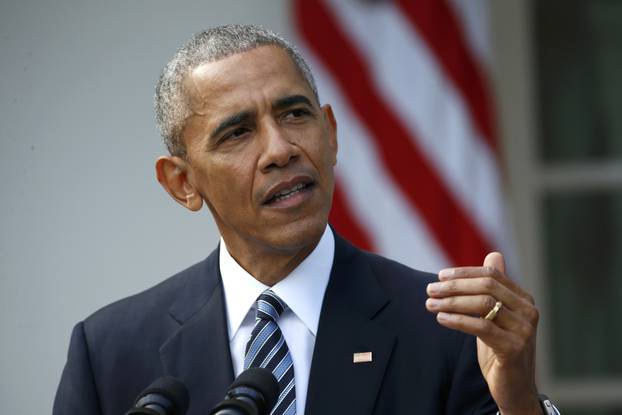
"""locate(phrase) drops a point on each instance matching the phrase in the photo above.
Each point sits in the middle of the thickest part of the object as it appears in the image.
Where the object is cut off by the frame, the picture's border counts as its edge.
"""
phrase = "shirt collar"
(302, 290)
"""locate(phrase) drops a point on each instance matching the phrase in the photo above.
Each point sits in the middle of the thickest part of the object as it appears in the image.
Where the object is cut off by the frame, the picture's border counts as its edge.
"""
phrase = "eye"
(296, 113)
(235, 134)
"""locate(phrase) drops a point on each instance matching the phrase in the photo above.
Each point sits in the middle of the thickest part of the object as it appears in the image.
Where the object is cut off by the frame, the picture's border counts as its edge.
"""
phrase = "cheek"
(323, 156)
(313, 145)
(228, 184)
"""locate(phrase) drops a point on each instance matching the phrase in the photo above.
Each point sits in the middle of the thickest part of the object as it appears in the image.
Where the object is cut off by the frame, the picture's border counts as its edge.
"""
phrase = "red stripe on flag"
(452, 228)
(436, 22)
(344, 222)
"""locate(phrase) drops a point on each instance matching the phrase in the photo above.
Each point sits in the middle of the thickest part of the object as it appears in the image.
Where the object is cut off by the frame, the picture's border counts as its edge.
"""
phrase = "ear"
(174, 175)
(331, 126)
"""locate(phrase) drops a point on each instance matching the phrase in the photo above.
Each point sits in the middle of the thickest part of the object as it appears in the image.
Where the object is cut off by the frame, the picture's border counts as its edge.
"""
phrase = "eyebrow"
(244, 116)
(290, 101)
(231, 121)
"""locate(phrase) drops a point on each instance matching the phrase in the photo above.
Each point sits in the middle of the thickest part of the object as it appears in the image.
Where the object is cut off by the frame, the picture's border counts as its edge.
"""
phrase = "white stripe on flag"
(409, 77)
(397, 231)
(473, 17)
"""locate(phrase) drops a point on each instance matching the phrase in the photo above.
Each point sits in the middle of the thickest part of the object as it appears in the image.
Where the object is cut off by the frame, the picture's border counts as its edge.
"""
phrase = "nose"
(278, 149)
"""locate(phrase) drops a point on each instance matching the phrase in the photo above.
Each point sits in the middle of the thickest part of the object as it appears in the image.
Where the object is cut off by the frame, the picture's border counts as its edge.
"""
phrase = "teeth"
(284, 194)
(286, 191)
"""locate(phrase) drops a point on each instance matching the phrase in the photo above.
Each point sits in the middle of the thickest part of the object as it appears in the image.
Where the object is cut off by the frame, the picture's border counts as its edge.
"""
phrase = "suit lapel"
(353, 299)
(198, 352)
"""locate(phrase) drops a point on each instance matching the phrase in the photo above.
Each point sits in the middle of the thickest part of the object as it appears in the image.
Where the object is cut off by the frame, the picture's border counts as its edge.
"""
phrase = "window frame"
(529, 179)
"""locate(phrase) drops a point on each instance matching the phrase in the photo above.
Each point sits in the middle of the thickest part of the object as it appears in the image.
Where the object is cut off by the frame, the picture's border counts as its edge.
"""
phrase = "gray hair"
(210, 45)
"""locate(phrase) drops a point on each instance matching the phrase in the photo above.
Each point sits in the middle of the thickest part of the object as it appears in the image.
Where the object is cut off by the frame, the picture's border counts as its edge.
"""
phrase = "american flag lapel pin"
(363, 357)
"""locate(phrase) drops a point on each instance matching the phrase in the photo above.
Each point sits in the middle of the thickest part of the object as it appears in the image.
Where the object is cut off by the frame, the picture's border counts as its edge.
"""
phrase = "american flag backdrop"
(418, 177)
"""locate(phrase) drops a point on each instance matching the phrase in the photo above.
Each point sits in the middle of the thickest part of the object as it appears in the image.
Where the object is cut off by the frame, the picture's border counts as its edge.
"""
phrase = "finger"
(479, 306)
(483, 272)
(480, 286)
(475, 305)
(495, 260)
(500, 340)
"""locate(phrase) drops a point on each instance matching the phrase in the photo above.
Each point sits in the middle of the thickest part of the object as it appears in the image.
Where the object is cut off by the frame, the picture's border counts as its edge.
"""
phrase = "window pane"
(579, 58)
(583, 256)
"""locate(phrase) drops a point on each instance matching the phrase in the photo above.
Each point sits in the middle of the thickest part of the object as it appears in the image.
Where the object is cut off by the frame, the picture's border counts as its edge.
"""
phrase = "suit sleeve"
(77, 394)
(469, 393)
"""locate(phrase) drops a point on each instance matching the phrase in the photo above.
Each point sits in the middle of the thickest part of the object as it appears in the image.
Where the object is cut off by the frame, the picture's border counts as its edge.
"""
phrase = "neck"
(270, 265)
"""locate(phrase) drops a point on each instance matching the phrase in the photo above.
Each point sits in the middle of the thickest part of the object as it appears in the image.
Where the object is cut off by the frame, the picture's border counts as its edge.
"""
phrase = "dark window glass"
(579, 66)
(583, 256)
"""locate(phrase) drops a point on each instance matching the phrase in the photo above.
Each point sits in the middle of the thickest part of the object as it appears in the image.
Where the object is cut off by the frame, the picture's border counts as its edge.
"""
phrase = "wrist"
(533, 407)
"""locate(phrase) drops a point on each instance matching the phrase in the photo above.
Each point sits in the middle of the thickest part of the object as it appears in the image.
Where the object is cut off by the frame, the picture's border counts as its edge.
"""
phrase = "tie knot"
(269, 306)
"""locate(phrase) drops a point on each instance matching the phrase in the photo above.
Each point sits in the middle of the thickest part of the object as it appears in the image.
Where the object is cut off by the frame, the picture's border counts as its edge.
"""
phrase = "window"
(577, 196)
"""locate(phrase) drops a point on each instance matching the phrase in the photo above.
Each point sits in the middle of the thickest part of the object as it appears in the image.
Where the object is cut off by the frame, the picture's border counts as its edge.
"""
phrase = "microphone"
(165, 396)
(254, 392)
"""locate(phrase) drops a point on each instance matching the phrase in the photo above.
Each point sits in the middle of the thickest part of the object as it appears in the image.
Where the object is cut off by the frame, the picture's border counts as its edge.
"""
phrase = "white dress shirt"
(303, 292)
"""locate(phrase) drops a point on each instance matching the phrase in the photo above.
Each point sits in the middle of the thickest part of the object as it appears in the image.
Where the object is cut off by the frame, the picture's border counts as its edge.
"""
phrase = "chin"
(297, 235)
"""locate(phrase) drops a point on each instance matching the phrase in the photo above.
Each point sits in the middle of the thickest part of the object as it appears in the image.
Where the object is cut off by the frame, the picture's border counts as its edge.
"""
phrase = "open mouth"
(289, 192)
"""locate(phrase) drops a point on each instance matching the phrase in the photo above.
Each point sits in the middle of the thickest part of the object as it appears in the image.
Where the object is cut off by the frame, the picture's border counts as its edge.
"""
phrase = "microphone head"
(261, 380)
(167, 393)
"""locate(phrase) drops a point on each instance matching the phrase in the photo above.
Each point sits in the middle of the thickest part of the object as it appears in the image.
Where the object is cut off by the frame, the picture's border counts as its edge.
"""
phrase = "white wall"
(82, 220)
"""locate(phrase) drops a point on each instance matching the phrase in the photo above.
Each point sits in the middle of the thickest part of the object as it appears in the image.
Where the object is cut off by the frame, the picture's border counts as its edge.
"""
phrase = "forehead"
(265, 72)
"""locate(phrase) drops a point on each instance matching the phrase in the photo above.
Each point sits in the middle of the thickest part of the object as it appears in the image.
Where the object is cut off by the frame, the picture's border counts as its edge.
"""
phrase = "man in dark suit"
(354, 333)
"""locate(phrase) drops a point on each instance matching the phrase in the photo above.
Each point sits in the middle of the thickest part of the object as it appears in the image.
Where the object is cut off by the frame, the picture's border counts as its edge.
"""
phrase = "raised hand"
(467, 299)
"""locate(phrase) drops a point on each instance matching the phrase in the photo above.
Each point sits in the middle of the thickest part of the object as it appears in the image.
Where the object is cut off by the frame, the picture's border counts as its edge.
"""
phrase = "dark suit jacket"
(371, 304)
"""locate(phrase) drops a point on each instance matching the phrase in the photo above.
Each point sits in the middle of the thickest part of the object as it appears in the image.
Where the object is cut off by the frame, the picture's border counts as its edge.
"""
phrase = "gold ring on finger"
(493, 313)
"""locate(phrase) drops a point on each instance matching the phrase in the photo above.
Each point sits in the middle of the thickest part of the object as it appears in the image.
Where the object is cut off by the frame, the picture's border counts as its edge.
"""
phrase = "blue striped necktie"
(267, 348)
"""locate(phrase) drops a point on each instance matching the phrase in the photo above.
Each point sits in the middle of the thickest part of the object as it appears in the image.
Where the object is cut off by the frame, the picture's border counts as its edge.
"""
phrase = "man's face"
(261, 151)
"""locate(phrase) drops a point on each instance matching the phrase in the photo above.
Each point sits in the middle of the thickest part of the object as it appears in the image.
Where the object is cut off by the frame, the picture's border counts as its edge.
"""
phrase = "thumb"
(495, 260)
